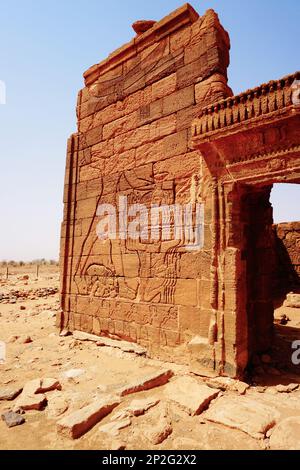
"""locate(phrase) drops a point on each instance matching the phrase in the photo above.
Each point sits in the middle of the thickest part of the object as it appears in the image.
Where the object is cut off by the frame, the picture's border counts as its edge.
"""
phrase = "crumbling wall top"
(178, 18)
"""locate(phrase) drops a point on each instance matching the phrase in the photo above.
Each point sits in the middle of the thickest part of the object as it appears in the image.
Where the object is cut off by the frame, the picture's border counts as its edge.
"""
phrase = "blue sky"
(46, 45)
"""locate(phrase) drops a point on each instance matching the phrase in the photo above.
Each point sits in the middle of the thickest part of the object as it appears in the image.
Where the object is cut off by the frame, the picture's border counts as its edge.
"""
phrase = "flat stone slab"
(189, 394)
(41, 385)
(114, 427)
(244, 414)
(286, 435)
(125, 346)
(226, 383)
(79, 422)
(136, 408)
(139, 407)
(147, 382)
(12, 419)
(30, 402)
(10, 393)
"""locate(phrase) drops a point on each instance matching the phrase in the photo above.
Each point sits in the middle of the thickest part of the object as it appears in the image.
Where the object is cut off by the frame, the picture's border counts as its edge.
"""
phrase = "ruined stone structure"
(157, 123)
(287, 244)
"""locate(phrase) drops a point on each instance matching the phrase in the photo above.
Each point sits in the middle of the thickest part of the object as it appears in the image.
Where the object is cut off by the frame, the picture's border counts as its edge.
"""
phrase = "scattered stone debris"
(14, 295)
(139, 407)
(30, 402)
(189, 394)
(245, 414)
(158, 433)
(292, 300)
(41, 386)
(10, 393)
(79, 422)
(73, 373)
(114, 427)
(226, 383)
(125, 346)
(12, 419)
(147, 382)
(260, 389)
(287, 388)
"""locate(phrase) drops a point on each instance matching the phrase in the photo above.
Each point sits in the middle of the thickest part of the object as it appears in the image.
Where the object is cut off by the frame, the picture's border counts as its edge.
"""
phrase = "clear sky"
(46, 45)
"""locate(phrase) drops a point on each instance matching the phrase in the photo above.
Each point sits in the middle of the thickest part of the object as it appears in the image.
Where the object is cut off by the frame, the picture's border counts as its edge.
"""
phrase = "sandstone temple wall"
(288, 255)
(134, 121)
(158, 125)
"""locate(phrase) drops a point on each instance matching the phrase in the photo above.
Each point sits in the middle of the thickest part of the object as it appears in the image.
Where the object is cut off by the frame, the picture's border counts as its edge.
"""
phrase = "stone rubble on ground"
(226, 383)
(189, 394)
(159, 432)
(155, 379)
(113, 427)
(79, 422)
(245, 414)
(287, 388)
(10, 393)
(125, 346)
(12, 419)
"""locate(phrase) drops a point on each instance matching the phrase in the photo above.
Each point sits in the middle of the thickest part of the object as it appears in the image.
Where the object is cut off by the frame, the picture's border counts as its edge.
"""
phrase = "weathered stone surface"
(189, 394)
(245, 414)
(79, 422)
(158, 433)
(292, 300)
(227, 383)
(30, 402)
(287, 388)
(286, 435)
(12, 419)
(114, 427)
(139, 407)
(125, 346)
(73, 373)
(57, 405)
(10, 392)
(158, 125)
(41, 386)
(147, 382)
(142, 26)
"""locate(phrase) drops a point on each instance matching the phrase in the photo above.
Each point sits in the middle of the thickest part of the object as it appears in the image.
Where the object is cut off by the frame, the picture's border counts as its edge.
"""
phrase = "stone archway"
(248, 143)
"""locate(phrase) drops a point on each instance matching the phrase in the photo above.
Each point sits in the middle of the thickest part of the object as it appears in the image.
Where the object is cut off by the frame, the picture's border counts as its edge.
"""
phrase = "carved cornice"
(268, 101)
(264, 156)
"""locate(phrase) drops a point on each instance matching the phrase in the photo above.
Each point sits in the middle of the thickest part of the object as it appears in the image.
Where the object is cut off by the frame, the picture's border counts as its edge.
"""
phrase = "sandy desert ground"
(264, 415)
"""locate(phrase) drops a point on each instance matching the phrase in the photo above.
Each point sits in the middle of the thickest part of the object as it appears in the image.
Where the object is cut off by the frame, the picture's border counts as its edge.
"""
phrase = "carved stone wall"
(288, 256)
(157, 124)
(133, 139)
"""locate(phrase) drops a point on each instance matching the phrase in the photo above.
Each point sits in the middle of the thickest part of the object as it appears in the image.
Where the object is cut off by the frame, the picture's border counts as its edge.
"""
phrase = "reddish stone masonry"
(157, 123)
(288, 256)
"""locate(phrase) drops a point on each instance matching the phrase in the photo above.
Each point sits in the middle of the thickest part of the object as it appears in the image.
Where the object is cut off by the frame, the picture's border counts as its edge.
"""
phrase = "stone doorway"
(270, 253)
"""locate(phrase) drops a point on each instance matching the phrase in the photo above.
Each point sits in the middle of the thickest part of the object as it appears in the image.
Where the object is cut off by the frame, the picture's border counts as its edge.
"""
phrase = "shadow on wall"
(287, 242)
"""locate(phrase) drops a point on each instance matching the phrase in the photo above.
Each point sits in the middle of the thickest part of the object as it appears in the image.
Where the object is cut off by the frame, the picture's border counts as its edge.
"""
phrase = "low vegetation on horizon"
(40, 262)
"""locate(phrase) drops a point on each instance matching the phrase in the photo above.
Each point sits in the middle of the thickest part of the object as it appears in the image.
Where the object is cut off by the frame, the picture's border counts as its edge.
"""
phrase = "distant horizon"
(48, 46)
